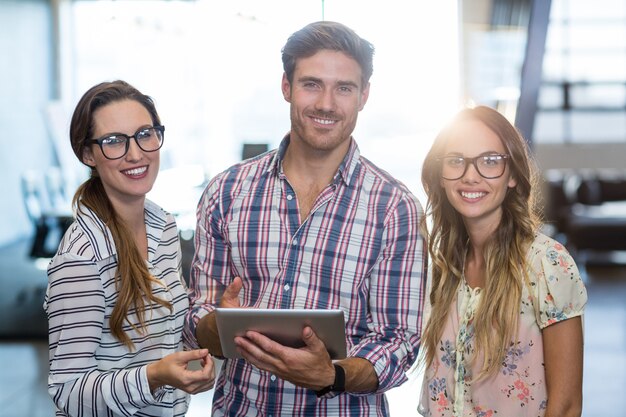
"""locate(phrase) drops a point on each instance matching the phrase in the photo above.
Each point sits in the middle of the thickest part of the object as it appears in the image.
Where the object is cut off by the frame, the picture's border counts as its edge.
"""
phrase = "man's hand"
(308, 367)
(230, 298)
(206, 330)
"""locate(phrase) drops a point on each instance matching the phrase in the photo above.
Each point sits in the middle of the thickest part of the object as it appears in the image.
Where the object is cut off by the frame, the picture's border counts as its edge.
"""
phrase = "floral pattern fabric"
(555, 292)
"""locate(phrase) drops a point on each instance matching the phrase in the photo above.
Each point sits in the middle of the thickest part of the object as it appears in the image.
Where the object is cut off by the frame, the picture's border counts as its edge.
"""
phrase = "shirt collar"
(344, 172)
(100, 235)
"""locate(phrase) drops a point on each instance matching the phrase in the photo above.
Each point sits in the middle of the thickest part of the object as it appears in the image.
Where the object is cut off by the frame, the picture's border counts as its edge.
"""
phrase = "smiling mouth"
(473, 195)
(326, 122)
(135, 171)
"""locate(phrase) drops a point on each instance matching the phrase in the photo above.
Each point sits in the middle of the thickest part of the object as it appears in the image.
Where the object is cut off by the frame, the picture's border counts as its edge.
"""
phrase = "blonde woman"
(116, 301)
(505, 332)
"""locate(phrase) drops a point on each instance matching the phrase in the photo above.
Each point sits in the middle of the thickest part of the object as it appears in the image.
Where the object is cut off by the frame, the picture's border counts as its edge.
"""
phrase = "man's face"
(326, 96)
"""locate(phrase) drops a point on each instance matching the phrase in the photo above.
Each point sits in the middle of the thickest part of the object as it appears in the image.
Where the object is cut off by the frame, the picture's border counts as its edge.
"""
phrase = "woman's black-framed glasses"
(115, 145)
(488, 166)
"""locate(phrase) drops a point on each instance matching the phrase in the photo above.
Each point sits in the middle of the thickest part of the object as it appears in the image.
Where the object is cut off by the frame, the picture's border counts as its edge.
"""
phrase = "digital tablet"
(283, 326)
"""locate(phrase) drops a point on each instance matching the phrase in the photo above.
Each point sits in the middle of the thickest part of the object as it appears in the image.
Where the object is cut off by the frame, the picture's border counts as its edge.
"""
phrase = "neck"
(478, 237)
(315, 168)
(132, 212)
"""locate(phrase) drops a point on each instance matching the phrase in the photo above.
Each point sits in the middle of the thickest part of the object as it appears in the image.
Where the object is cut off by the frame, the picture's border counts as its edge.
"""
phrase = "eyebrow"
(120, 133)
(486, 153)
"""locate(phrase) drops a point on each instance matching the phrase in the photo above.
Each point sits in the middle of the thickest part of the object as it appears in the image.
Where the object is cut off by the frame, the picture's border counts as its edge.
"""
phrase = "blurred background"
(557, 69)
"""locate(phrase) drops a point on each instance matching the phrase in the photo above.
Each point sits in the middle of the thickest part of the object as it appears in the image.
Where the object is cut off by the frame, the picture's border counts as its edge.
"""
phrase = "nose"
(471, 173)
(326, 100)
(134, 151)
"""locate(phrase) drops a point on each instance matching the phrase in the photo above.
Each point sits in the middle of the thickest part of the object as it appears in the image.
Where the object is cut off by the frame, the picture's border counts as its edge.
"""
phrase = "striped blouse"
(359, 250)
(91, 372)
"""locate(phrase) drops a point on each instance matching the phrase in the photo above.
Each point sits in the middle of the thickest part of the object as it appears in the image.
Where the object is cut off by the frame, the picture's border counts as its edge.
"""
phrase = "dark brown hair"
(328, 35)
(133, 280)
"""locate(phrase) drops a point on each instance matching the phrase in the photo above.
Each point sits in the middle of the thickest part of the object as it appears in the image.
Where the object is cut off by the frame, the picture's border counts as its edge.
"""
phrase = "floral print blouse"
(556, 292)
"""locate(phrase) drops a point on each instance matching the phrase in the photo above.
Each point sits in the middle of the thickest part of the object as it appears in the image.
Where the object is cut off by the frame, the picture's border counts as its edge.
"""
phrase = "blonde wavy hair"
(133, 279)
(496, 318)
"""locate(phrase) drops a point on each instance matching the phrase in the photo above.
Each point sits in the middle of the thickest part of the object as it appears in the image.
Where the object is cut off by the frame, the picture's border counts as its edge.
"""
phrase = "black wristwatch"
(339, 385)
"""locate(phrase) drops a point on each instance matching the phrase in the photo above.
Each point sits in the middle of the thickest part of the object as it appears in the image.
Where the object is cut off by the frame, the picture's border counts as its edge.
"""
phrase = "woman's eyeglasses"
(488, 166)
(115, 146)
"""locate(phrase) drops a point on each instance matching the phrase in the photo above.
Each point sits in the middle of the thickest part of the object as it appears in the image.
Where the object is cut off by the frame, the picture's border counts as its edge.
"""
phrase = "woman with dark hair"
(505, 334)
(116, 300)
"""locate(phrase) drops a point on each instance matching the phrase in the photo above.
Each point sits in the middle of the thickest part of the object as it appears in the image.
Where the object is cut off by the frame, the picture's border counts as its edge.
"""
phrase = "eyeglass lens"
(116, 146)
(488, 166)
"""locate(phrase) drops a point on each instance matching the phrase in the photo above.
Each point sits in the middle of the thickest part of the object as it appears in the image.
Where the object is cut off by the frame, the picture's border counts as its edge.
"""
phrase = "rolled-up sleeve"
(397, 285)
(210, 271)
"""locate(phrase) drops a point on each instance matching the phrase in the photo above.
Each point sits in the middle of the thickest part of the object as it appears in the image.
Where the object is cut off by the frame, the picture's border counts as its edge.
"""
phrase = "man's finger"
(231, 294)
(311, 339)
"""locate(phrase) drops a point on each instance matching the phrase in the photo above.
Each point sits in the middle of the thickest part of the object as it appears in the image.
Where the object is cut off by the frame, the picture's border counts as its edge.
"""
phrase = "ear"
(88, 158)
(365, 93)
(512, 182)
(285, 86)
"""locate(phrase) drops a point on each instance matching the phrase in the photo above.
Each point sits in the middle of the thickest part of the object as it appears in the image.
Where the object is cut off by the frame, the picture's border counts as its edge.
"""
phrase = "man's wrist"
(208, 336)
(338, 385)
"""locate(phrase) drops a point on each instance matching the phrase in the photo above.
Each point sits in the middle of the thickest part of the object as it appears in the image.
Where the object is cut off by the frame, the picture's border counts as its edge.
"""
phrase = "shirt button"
(295, 242)
(289, 197)
(273, 378)
(286, 287)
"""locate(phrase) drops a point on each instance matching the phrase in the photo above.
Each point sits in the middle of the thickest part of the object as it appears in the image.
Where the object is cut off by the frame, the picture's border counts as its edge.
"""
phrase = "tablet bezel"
(282, 325)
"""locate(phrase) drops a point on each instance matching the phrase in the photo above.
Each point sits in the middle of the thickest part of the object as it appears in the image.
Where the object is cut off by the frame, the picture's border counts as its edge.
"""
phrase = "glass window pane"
(602, 95)
(596, 67)
(550, 96)
(605, 35)
(598, 127)
(598, 9)
(214, 69)
(495, 65)
(549, 127)
(554, 67)
(556, 37)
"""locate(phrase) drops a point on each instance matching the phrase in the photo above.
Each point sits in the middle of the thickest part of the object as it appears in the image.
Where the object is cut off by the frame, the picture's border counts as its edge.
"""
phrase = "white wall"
(25, 88)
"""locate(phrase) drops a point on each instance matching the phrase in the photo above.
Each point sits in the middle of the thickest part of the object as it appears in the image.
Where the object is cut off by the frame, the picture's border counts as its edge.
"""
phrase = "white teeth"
(473, 195)
(324, 121)
(136, 171)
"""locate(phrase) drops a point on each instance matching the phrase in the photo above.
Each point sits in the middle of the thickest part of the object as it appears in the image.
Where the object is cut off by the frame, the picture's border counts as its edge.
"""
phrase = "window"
(214, 70)
(583, 94)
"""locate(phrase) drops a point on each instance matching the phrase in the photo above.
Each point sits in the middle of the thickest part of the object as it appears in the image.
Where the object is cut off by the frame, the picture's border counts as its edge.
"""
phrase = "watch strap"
(338, 385)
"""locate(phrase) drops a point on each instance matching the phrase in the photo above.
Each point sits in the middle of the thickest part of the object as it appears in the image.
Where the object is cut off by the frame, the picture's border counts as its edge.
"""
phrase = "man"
(312, 225)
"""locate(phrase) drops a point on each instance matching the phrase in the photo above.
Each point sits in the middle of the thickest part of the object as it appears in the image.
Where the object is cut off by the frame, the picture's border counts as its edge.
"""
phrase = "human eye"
(310, 85)
(145, 133)
(491, 160)
(113, 140)
(454, 161)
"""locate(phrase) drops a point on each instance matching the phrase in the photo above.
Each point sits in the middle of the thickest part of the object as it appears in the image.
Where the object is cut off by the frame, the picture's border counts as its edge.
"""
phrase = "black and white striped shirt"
(91, 372)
